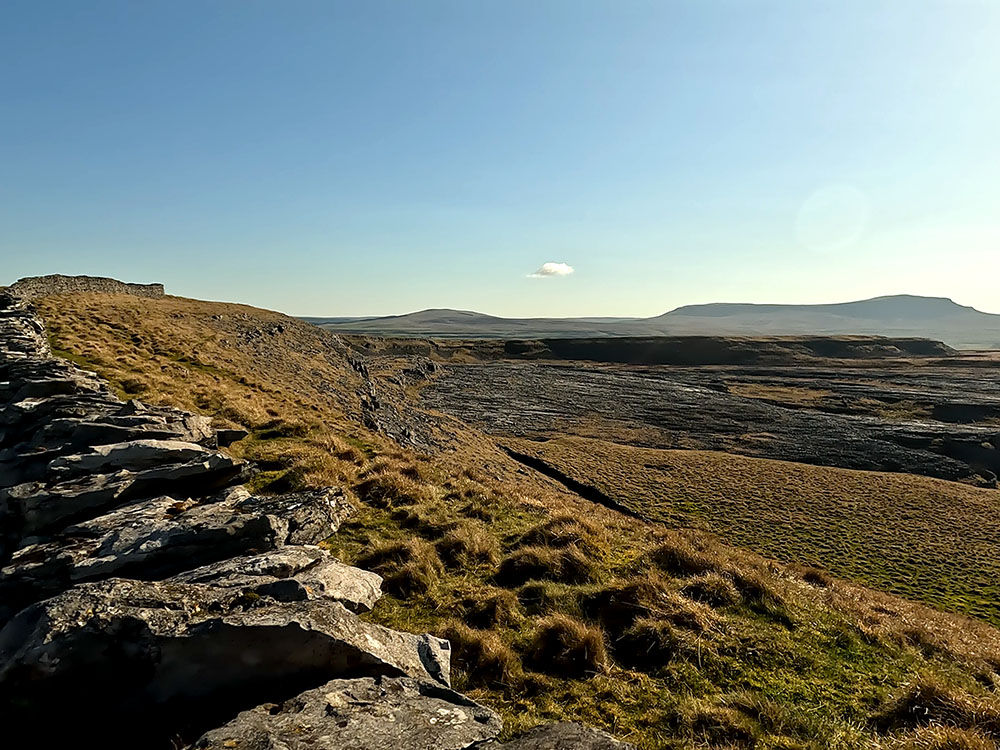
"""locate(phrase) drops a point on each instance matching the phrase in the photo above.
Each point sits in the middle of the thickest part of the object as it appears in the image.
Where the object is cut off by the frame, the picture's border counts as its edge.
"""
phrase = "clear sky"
(369, 157)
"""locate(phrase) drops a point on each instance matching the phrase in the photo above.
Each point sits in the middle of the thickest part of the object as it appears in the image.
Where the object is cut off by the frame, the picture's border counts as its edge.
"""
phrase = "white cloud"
(550, 270)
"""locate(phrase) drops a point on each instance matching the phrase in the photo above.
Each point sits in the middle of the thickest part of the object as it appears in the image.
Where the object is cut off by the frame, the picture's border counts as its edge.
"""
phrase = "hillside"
(895, 316)
(556, 606)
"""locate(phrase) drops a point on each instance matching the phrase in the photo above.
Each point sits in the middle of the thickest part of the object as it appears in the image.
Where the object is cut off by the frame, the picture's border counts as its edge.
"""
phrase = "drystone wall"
(33, 287)
(148, 600)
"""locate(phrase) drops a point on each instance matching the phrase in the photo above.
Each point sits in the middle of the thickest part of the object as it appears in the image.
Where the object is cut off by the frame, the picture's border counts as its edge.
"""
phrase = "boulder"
(371, 713)
(168, 659)
(293, 573)
(132, 456)
(165, 536)
(312, 515)
(35, 508)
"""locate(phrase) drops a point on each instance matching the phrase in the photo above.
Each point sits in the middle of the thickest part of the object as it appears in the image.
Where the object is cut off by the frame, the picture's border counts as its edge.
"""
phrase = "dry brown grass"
(482, 656)
(849, 647)
(647, 645)
(567, 647)
(488, 607)
(408, 568)
(932, 701)
(562, 531)
(392, 488)
(781, 394)
(469, 543)
(712, 589)
(562, 564)
(939, 738)
(927, 539)
(618, 605)
(708, 724)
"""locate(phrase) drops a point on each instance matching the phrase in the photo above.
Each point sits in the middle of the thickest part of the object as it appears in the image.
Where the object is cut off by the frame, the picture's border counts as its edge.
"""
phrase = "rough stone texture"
(163, 650)
(686, 408)
(561, 736)
(380, 713)
(293, 573)
(163, 536)
(41, 286)
(39, 507)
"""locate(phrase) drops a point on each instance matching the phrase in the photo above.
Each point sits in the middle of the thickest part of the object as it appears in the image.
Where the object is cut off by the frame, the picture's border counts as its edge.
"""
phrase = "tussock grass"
(647, 645)
(488, 607)
(561, 564)
(407, 567)
(483, 658)
(712, 589)
(385, 489)
(467, 544)
(940, 738)
(564, 531)
(567, 647)
(932, 701)
(857, 525)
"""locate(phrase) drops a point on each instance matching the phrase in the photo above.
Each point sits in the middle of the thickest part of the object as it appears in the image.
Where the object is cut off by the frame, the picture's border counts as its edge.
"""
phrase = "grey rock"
(312, 515)
(149, 652)
(379, 713)
(165, 536)
(291, 574)
(35, 507)
(132, 456)
(560, 736)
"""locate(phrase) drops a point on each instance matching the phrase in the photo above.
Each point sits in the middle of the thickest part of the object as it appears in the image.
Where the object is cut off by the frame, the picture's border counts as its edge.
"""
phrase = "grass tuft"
(567, 647)
(565, 565)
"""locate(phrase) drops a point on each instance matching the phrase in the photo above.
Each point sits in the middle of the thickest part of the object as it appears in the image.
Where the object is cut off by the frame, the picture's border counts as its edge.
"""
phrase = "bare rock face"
(293, 573)
(165, 536)
(157, 651)
(375, 713)
(37, 508)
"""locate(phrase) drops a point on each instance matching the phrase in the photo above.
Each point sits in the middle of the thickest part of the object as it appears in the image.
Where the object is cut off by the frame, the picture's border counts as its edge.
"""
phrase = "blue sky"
(369, 157)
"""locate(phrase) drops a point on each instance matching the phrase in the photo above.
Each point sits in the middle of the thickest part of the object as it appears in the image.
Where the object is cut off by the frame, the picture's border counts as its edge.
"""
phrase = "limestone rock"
(147, 653)
(312, 515)
(35, 507)
(291, 574)
(372, 713)
(164, 536)
(132, 456)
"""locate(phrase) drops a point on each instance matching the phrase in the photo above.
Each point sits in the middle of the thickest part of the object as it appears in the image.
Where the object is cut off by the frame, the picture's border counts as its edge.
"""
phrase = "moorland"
(740, 555)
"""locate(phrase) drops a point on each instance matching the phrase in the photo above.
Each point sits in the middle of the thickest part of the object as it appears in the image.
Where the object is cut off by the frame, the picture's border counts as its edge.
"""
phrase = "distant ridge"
(896, 306)
(938, 318)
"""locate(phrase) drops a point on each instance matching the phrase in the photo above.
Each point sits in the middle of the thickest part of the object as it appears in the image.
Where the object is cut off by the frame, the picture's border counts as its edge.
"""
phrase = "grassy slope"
(927, 539)
(771, 662)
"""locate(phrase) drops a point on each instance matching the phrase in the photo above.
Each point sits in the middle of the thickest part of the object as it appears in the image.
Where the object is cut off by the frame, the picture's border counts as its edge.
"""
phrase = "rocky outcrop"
(377, 713)
(41, 286)
(148, 599)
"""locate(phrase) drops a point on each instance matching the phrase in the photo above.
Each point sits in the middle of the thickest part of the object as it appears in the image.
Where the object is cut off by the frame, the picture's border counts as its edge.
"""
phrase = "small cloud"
(550, 270)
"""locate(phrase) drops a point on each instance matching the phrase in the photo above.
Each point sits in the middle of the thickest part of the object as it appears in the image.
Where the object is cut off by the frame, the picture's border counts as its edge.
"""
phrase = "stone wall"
(40, 286)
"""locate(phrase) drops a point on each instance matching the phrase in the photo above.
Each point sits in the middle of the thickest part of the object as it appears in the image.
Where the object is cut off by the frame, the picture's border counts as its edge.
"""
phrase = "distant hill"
(895, 316)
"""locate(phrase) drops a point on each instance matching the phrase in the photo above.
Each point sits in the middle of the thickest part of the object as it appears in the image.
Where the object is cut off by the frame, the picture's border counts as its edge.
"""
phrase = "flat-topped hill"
(900, 316)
